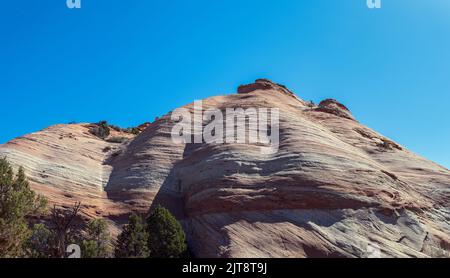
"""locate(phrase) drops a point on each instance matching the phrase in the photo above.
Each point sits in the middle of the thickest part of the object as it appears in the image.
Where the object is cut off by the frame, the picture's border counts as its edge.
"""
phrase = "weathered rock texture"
(335, 187)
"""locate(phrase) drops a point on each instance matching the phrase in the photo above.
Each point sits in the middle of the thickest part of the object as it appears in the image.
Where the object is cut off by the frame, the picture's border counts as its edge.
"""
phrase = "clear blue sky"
(130, 61)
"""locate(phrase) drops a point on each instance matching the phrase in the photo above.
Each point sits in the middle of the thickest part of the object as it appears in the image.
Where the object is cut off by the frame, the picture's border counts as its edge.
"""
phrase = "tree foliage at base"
(17, 201)
(41, 243)
(96, 244)
(166, 235)
(133, 241)
(160, 236)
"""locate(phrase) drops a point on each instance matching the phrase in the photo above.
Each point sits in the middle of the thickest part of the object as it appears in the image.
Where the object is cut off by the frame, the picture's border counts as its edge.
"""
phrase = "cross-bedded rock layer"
(334, 188)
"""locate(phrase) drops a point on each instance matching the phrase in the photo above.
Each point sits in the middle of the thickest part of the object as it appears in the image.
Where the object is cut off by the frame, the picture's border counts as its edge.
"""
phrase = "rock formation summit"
(335, 188)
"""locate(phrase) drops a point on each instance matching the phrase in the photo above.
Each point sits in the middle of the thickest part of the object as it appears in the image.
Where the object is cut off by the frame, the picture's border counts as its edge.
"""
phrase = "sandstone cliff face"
(334, 188)
(66, 163)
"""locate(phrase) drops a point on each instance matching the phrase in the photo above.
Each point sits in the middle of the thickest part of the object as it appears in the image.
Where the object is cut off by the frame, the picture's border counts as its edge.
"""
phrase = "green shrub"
(166, 235)
(133, 241)
(41, 243)
(96, 244)
(135, 131)
(17, 202)
(101, 130)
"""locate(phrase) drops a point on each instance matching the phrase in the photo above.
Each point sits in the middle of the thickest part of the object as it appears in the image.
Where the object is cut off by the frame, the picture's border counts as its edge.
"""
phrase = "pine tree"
(166, 235)
(96, 244)
(17, 202)
(133, 241)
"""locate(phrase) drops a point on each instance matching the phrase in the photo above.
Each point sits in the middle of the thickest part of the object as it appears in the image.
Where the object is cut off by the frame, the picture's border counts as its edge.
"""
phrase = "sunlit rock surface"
(335, 188)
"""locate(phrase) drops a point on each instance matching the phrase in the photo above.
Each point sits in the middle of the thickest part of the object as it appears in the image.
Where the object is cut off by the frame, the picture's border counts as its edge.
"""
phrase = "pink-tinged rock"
(335, 188)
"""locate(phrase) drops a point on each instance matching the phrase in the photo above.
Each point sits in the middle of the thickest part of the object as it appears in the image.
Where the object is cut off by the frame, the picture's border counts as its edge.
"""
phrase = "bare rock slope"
(334, 188)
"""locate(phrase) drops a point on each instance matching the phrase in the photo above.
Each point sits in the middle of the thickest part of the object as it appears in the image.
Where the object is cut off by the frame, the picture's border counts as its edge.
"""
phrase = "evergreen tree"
(17, 202)
(96, 244)
(101, 130)
(166, 236)
(41, 244)
(133, 241)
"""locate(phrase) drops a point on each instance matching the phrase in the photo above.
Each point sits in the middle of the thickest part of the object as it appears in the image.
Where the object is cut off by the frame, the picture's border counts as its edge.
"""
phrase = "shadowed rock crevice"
(335, 188)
